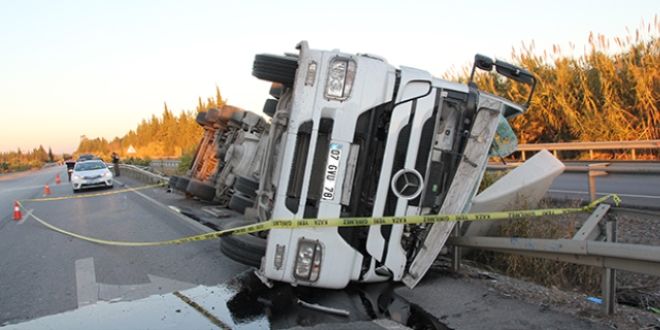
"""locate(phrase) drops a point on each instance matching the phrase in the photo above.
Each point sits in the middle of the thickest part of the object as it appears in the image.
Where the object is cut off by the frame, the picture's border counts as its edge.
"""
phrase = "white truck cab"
(353, 136)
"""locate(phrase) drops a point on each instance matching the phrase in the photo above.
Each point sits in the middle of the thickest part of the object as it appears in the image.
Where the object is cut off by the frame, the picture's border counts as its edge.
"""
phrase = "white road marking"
(86, 286)
(156, 285)
(90, 292)
(25, 217)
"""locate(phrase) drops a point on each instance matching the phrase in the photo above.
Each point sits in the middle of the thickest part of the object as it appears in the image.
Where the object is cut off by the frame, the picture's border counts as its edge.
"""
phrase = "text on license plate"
(331, 170)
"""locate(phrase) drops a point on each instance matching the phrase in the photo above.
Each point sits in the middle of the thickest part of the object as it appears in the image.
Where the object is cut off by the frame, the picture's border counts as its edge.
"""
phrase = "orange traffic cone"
(47, 190)
(17, 212)
(57, 178)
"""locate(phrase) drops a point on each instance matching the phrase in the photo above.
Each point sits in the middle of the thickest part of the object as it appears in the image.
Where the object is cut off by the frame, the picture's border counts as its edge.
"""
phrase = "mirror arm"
(529, 100)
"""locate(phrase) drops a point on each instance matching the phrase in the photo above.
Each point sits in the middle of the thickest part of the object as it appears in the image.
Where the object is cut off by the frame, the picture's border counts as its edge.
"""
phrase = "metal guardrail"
(594, 245)
(592, 167)
(142, 174)
(591, 146)
(593, 171)
(165, 166)
(622, 211)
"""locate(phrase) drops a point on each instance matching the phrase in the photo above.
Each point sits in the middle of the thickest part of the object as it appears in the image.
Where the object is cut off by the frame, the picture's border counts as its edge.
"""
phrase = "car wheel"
(172, 181)
(240, 202)
(275, 68)
(246, 249)
(182, 183)
(201, 119)
(270, 107)
(202, 190)
(247, 186)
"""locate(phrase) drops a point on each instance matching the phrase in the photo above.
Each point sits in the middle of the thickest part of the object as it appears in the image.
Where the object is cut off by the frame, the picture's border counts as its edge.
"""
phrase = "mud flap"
(462, 189)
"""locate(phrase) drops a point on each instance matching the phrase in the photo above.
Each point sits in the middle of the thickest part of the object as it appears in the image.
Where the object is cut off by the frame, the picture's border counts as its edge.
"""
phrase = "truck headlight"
(340, 79)
(279, 256)
(308, 260)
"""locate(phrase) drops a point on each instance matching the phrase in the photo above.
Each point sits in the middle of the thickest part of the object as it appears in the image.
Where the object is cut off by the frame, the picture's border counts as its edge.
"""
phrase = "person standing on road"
(70, 163)
(115, 162)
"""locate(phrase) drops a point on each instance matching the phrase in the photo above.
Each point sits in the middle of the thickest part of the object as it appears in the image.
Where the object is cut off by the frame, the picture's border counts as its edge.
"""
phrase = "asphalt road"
(47, 273)
(43, 272)
(635, 190)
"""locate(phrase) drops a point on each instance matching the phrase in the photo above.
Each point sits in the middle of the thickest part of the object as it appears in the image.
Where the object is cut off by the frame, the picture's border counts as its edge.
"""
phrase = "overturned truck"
(353, 136)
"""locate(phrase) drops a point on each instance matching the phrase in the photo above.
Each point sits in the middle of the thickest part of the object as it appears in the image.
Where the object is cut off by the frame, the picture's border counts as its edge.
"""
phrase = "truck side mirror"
(483, 62)
(514, 72)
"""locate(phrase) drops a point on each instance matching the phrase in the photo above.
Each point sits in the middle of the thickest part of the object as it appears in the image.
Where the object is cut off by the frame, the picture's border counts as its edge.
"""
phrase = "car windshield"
(88, 166)
(85, 156)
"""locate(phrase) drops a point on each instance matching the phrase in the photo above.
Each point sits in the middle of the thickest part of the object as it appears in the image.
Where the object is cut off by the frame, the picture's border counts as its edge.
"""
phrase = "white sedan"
(90, 174)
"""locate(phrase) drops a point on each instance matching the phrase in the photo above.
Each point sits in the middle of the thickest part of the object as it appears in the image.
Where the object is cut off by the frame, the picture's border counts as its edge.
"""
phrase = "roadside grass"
(549, 273)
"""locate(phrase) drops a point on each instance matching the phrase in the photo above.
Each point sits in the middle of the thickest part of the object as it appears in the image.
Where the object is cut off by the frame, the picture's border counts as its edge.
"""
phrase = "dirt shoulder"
(475, 297)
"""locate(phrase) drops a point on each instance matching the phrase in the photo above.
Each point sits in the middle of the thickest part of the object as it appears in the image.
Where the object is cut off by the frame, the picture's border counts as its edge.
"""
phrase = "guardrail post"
(456, 250)
(592, 178)
(608, 282)
(633, 153)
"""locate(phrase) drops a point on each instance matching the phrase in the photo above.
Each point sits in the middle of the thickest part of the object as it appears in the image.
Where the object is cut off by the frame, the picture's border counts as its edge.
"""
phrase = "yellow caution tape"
(93, 195)
(343, 222)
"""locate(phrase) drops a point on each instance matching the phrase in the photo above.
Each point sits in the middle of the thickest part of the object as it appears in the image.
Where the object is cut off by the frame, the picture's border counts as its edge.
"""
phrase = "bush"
(542, 271)
(186, 160)
(546, 272)
(137, 161)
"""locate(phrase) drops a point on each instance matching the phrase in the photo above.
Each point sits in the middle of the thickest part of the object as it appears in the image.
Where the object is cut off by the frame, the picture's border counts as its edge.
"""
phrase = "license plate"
(331, 170)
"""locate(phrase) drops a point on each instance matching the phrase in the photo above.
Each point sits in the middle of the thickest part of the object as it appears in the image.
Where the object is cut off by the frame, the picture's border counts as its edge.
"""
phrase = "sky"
(98, 68)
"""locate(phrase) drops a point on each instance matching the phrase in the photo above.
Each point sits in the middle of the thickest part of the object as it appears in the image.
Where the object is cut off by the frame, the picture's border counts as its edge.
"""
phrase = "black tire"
(212, 115)
(276, 90)
(173, 180)
(182, 183)
(201, 119)
(270, 107)
(246, 249)
(275, 68)
(222, 153)
(247, 186)
(240, 202)
(202, 190)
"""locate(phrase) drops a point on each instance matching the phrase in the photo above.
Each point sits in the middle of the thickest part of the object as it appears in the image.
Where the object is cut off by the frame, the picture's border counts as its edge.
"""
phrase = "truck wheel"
(240, 202)
(212, 115)
(275, 68)
(202, 190)
(201, 119)
(247, 186)
(270, 107)
(246, 249)
(182, 183)
(173, 180)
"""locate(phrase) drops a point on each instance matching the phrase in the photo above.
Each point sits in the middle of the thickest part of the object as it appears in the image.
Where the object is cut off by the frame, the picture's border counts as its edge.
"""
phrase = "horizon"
(74, 68)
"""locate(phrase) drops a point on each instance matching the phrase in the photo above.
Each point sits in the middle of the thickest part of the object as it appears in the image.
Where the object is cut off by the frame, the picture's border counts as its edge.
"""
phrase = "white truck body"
(353, 136)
